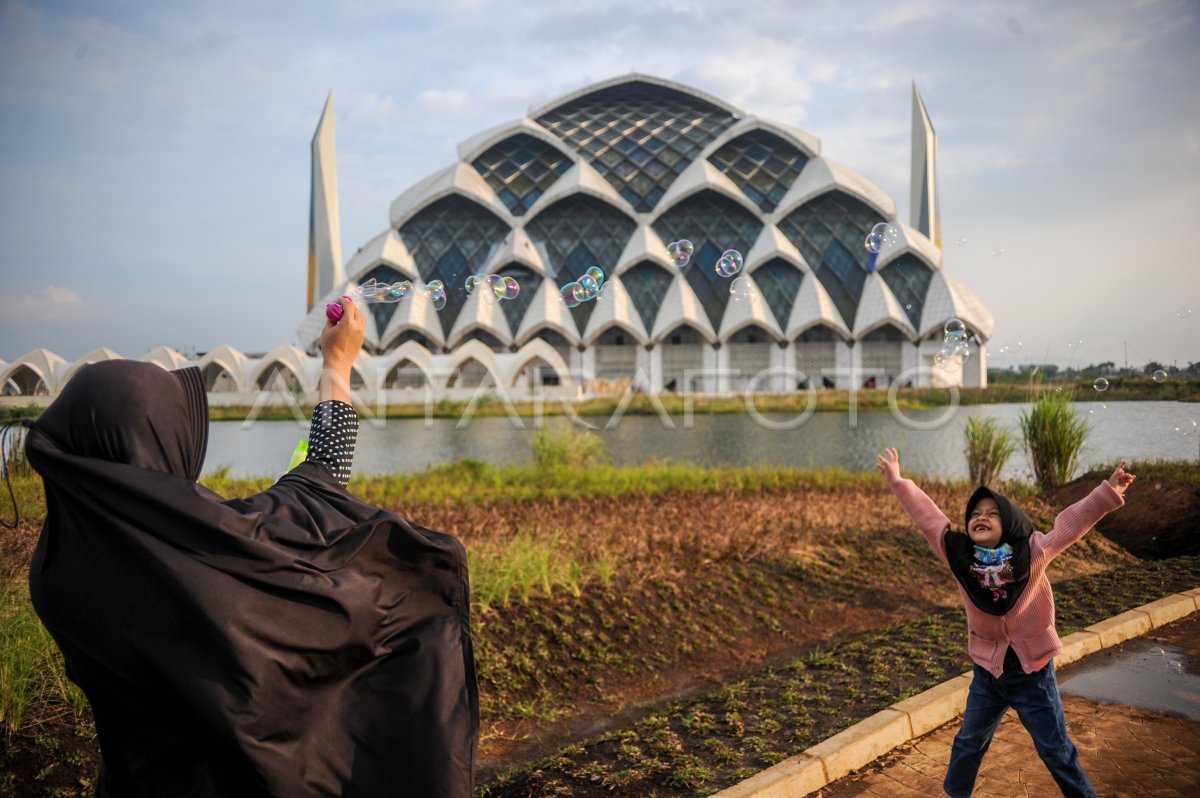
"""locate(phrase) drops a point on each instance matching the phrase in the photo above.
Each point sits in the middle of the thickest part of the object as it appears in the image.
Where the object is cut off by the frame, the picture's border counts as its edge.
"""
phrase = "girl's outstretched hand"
(1120, 479)
(888, 464)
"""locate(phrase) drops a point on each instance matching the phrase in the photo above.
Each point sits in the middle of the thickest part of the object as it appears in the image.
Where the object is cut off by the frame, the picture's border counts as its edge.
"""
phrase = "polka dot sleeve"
(332, 436)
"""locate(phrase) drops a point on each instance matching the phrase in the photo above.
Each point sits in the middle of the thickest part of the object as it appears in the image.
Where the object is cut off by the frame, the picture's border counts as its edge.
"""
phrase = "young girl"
(1000, 565)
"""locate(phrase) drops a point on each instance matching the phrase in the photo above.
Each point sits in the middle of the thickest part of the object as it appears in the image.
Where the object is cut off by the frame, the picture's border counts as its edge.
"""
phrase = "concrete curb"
(914, 717)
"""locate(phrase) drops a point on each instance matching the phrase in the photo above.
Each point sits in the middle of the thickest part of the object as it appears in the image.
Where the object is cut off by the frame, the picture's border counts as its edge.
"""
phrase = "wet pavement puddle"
(1156, 675)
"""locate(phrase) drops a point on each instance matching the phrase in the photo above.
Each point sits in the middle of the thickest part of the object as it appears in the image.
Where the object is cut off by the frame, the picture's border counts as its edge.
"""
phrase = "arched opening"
(278, 376)
(881, 355)
(405, 374)
(406, 336)
(470, 374)
(683, 360)
(536, 374)
(486, 338)
(749, 355)
(24, 381)
(217, 379)
(357, 381)
(616, 354)
(815, 350)
(557, 342)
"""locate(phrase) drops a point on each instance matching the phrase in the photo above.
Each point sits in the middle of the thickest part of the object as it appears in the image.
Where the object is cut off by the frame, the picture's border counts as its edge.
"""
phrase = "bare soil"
(1159, 519)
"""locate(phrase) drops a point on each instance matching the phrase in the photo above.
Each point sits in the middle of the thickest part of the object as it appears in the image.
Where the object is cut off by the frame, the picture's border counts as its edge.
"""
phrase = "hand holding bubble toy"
(372, 292)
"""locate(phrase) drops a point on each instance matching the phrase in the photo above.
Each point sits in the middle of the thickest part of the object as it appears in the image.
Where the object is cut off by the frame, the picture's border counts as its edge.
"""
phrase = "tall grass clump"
(33, 679)
(1053, 434)
(527, 566)
(567, 446)
(988, 447)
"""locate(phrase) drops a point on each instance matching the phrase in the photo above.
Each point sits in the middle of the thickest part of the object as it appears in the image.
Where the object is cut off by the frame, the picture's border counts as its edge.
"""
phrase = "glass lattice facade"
(520, 169)
(713, 223)
(763, 166)
(639, 136)
(829, 232)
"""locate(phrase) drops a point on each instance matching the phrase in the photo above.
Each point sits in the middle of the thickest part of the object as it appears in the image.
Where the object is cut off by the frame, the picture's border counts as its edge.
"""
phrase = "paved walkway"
(1127, 750)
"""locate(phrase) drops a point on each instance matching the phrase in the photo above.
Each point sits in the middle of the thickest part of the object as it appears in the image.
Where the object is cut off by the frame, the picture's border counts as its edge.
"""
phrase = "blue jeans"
(1035, 698)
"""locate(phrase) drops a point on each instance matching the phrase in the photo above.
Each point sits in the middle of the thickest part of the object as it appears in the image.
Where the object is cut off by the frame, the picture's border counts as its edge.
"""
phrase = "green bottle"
(299, 454)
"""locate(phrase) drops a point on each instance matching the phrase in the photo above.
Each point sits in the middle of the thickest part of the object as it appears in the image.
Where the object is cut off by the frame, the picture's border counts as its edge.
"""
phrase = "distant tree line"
(1048, 371)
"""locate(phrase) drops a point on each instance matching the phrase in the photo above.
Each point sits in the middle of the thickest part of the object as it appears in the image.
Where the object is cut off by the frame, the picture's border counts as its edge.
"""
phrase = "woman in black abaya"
(295, 643)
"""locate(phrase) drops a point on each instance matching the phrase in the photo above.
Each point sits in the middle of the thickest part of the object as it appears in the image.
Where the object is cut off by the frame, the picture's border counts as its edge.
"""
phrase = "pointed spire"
(923, 208)
(325, 271)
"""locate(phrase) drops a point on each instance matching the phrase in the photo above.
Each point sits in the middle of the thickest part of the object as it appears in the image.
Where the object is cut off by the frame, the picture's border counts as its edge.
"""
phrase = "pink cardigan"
(1029, 626)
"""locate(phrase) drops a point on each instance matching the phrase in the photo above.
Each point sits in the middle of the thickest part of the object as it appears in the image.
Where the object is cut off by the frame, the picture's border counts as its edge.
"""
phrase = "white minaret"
(325, 271)
(923, 208)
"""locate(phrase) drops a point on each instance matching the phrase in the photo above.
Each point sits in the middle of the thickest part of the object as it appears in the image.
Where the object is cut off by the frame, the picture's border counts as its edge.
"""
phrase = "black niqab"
(960, 552)
(295, 643)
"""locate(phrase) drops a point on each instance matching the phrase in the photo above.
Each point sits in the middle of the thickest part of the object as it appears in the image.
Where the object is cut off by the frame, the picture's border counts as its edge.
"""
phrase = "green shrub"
(567, 446)
(1053, 434)
(988, 447)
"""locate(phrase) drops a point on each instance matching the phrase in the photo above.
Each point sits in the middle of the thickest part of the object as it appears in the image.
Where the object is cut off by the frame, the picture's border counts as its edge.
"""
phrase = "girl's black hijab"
(960, 551)
(298, 642)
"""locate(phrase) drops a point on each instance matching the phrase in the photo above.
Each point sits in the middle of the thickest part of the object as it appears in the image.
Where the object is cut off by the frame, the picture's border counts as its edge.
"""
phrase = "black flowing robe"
(295, 643)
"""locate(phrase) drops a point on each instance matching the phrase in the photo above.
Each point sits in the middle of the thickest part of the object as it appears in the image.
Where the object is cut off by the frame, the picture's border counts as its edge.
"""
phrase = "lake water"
(1133, 430)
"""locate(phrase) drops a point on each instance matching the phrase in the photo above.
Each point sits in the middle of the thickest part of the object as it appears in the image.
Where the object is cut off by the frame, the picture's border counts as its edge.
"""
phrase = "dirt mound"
(1160, 519)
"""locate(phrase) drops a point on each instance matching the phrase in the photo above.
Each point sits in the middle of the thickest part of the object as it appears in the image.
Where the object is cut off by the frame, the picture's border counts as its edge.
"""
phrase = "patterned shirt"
(332, 436)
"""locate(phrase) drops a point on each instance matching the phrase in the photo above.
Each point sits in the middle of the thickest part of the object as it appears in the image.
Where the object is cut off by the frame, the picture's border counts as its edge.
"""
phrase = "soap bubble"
(1100, 384)
(681, 251)
(436, 292)
(1187, 428)
(591, 289)
(997, 252)
(741, 290)
(1160, 376)
(730, 263)
(511, 287)
(596, 273)
(961, 242)
(1183, 313)
(571, 294)
(469, 283)
(399, 290)
(882, 236)
(947, 360)
(1157, 652)
(908, 306)
(1098, 407)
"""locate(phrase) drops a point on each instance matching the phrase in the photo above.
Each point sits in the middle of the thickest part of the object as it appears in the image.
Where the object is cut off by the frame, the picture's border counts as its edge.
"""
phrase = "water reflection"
(1146, 673)
(1134, 430)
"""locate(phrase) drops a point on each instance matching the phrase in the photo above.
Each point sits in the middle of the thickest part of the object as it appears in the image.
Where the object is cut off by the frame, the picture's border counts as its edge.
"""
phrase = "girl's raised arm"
(932, 522)
(1073, 523)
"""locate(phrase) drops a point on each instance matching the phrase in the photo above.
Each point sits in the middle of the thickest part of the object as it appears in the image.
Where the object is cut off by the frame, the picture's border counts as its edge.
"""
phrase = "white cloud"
(442, 101)
(51, 304)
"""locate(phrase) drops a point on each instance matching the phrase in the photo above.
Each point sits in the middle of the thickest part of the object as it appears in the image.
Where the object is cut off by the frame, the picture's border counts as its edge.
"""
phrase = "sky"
(154, 157)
